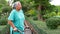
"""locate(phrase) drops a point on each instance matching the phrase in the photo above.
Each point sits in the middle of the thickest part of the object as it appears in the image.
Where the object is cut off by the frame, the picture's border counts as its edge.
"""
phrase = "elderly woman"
(16, 19)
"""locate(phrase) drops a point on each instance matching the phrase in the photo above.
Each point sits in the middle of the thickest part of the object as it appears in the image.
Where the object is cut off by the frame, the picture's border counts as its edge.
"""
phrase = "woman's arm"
(25, 23)
(11, 24)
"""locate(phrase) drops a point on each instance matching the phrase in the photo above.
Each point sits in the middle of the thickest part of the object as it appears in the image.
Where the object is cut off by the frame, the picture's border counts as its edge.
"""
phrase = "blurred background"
(43, 15)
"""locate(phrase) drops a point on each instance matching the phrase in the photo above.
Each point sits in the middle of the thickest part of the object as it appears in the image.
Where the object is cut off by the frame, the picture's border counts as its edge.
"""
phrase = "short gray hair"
(15, 4)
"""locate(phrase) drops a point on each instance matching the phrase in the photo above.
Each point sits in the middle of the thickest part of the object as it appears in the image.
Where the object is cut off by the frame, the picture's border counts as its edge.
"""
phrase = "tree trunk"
(39, 15)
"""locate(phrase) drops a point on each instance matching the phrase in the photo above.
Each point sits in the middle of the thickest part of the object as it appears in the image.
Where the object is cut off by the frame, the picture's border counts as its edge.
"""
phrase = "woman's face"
(18, 7)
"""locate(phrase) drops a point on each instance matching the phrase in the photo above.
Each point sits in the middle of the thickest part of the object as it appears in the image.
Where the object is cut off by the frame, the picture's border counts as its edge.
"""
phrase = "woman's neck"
(17, 10)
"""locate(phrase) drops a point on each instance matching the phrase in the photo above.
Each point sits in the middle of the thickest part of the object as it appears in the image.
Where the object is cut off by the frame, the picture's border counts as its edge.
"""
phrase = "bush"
(28, 15)
(4, 15)
(49, 15)
(35, 18)
(53, 22)
(3, 20)
(58, 14)
(1, 5)
(6, 9)
(4, 29)
(31, 12)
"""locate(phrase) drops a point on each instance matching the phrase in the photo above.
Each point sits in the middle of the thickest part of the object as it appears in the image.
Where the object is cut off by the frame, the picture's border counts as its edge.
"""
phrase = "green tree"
(16, 0)
(42, 6)
(26, 4)
(2, 3)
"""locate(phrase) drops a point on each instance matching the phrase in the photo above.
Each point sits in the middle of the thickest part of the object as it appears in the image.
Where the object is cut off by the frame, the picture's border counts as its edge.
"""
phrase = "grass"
(4, 29)
(41, 27)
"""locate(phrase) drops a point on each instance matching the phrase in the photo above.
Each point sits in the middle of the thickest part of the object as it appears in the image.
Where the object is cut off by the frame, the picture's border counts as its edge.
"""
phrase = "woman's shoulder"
(13, 11)
(21, 10)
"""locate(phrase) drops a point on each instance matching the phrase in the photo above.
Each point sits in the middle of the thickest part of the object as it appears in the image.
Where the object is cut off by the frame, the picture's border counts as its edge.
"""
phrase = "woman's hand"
(27, 27)
(15, 29)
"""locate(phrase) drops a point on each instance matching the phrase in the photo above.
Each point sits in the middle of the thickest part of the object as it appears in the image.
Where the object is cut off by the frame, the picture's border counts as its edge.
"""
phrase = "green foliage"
(31, 12)
(4, 15)
(53, 22)
(35, 18)
(58, 14)
(41, 27)
(16, 0)
(3, 20)
(2, 3)
(52, 14)
(4, 29)
(3, 12)
(45, 8)
(6, 9)
(50, 8)
(58, 7)
(33, 4)
(45, 5)
(0, 10)
(27, 4)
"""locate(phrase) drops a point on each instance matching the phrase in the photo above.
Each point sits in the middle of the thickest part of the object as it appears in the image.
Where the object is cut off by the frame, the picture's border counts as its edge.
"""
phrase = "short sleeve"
(11, 16)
